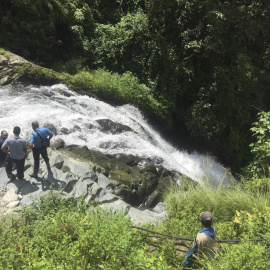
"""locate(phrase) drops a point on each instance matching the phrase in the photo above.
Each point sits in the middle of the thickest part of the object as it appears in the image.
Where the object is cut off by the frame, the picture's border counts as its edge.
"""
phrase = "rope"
(191, 239)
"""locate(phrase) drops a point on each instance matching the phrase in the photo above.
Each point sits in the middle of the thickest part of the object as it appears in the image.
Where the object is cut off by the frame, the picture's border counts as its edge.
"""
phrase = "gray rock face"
(9, 63)
(119, 182)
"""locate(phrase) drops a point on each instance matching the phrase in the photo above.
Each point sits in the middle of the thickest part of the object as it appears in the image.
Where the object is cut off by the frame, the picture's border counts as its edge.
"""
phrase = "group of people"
(14, 150)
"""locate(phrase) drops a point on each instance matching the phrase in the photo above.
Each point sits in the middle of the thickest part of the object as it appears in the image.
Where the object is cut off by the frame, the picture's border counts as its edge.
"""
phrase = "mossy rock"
(121, 176)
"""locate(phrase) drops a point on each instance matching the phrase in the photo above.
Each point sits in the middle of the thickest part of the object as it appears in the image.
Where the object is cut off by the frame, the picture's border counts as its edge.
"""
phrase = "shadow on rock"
(53, 183)
(22, 186)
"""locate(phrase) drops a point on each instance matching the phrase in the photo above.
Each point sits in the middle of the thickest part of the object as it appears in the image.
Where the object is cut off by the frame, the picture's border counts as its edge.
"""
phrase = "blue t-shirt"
(35, 139)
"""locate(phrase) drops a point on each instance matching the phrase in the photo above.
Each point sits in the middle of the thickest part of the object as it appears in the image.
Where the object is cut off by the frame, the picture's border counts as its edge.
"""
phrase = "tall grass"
(221, 201)
(184, 205)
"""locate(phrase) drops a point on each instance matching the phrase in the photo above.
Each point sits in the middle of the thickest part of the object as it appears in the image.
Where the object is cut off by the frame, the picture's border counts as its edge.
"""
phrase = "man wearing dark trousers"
(38, 147)
(15, 148)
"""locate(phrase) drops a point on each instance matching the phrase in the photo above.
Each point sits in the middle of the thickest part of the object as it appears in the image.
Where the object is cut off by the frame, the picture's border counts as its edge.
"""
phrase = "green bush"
(248, 256)
(55, 233)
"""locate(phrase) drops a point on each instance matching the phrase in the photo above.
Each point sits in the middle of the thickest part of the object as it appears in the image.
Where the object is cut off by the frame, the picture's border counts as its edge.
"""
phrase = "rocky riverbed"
(124, 183)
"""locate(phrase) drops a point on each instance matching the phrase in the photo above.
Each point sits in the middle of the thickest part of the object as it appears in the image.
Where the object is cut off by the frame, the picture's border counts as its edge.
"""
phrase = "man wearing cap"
(203, 242)
(3, 137)
(15, 148)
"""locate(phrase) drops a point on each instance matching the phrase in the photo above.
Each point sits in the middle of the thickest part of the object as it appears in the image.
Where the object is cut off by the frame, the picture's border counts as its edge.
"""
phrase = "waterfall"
(66, 110)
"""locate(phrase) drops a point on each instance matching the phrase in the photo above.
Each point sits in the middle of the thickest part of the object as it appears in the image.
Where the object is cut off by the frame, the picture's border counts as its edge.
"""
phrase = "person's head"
(17, 130)
(4, 134)
(35, 125)
(206, 219)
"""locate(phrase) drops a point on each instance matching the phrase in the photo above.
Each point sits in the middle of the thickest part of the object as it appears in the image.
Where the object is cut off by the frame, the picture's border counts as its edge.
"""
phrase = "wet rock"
(108, 126)
(76, 128)
(51, 127)
(64, 130)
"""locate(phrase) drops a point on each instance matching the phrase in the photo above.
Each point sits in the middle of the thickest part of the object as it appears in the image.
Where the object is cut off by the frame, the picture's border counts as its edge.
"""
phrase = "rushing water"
(20, 105)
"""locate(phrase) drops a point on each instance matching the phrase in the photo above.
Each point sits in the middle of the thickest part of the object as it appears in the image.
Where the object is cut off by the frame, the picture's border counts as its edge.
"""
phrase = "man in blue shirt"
(38, 147)
(203, 242)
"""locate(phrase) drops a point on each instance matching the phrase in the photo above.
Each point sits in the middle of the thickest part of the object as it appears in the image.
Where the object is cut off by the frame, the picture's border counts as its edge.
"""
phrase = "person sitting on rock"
(3, 137)
(203, 242)
(38, 147)
(16, 150)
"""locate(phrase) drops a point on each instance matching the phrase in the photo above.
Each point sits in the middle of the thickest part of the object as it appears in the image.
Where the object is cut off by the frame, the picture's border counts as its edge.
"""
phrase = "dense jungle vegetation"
(205, 64)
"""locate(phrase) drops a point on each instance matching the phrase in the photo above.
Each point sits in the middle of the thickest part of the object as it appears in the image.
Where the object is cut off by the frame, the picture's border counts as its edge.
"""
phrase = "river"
(66, 110)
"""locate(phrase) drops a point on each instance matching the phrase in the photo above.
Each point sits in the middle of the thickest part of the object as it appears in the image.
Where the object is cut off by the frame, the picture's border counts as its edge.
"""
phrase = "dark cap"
(17, 130)
(206, 217)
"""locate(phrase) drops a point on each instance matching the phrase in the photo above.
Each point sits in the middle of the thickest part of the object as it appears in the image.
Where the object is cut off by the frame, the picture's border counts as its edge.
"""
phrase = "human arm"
(31, 142)
(191, 254)
(5, 149)
(25, 152)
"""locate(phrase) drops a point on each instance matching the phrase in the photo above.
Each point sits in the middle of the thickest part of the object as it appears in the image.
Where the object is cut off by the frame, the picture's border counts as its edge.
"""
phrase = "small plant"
(5, 53)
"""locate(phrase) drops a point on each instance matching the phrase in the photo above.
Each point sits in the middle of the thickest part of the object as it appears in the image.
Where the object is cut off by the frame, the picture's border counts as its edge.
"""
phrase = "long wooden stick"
(191, 239)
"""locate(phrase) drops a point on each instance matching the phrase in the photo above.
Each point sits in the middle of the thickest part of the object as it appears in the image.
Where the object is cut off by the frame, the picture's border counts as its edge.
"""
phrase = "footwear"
(34, 174)
(11, 176)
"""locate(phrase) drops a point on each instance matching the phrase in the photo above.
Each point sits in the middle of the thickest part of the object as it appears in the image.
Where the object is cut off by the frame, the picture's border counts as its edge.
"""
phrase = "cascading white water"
(21, 105)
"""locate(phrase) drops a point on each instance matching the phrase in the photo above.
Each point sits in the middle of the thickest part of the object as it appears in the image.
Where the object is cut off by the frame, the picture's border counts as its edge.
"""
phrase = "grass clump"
(4, 53)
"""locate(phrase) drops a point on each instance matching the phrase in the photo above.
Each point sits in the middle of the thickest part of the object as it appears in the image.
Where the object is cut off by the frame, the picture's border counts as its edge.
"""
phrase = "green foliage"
(260, 148)
(4, 53)
(46, 29)
(123, 88)
(186, 205)
(59, 234)
(248, 256)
